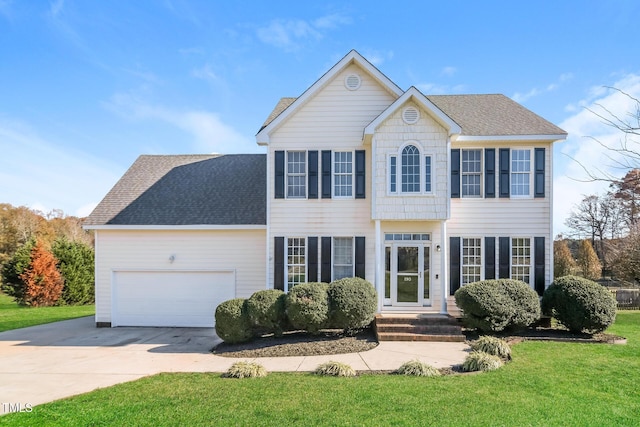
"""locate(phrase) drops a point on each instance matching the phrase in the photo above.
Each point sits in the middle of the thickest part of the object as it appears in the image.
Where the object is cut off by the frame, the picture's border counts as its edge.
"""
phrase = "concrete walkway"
(49, 362)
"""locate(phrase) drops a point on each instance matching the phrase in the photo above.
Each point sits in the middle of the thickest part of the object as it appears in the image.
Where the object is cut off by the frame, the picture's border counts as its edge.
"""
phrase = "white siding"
(198, 250)
(431, 139)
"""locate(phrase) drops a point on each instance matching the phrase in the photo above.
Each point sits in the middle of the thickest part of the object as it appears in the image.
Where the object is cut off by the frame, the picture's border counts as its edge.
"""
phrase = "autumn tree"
(42, 281)
(626, 259)
(76, 264)
(563, 262)
(588, 262)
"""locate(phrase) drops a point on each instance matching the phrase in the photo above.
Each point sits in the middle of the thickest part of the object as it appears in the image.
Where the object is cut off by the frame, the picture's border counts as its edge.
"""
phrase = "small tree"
(563, 262)
(588, 261)
(12, 283)
(76, 264)
(42, 281)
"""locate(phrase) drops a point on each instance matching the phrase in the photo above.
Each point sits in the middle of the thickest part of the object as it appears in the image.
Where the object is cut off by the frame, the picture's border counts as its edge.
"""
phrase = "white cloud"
(5, 8)
(377, 57)
(291, 34)
(523, 97)
(205, 73)
(438, 89)
(571, 181)
(210, 134)
(56, 8)
(448, 71)
(36, 173)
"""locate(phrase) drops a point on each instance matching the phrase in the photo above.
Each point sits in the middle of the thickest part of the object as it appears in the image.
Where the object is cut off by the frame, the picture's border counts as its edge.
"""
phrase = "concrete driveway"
(49, 362)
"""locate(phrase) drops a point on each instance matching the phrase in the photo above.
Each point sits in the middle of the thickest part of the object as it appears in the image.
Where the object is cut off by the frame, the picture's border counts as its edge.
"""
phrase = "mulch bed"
(300, 343)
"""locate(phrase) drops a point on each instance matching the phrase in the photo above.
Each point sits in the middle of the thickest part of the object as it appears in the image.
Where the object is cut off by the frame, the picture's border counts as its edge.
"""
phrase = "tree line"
(45, 258)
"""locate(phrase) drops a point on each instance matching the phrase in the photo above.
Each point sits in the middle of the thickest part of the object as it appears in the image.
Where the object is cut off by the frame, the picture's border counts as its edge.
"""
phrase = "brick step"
(417, 320)
(401, 336)
(420, 329)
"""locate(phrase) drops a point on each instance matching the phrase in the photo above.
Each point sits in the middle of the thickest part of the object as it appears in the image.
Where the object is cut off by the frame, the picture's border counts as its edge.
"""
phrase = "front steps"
(418, 327)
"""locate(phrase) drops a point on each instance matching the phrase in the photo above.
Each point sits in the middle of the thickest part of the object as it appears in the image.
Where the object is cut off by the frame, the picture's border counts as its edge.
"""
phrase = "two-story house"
(417, 194)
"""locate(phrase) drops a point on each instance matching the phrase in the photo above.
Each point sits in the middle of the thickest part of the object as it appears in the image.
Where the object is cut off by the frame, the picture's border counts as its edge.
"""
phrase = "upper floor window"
(343, 174)
(520, 172)
(296, 174)
(408, 173)
(471, 173)
(410, 169)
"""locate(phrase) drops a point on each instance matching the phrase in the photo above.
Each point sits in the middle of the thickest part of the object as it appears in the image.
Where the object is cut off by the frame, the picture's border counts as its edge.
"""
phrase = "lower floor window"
(342, 257)
(471, 260)
(296, 261)
(521, 259)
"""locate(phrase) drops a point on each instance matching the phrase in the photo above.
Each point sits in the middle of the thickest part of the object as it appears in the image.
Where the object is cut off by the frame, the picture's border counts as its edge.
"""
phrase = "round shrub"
(308, 306)
(232, 321)
(267, 311)
(496, 305)
(417, 368)
(481, 361)
(353, 303)
(492, 345)
(580, 304)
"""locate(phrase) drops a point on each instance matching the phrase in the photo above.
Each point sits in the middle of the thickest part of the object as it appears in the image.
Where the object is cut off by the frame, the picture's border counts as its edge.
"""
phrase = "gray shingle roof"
(477, 115)
(187, 190)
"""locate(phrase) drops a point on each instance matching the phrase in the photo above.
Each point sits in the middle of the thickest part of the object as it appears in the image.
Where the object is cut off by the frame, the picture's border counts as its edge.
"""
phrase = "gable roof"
(182, 190)
(287, 106)
(416, 96)
(494, 115)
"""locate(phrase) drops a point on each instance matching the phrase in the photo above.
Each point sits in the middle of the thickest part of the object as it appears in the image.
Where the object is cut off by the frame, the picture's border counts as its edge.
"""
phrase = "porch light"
(438, 248)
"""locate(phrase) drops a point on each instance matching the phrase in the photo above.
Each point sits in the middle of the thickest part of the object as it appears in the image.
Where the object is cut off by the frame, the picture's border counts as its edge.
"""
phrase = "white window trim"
(482, 258)
(333, 174)
(286, 261)
(481, 196)
(306, 175)
(531, 260)
(531, 172)
(333, 253)
(398, 181)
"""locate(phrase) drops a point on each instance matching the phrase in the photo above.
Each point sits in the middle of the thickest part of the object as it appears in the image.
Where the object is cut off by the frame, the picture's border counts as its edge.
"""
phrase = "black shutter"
(504, 172)
(278, 263)
(455, 173)
(360, 257)
(325, 260)
(505, 258)
(489, 258)
(489, 172)
(360, 174)
(312, 259)
(313, 174)
(539, 164)
(279, 175)
(326, 174)
(539, 265)
(454, 264)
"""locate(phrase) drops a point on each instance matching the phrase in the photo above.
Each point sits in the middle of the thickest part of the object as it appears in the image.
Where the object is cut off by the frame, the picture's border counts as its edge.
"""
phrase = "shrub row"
(347, 304)
(504, 304)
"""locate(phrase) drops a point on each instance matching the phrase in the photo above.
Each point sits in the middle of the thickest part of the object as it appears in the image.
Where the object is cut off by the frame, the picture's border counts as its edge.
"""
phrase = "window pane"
(342, 174)
(296, 174)
(427, 174)
(392, 174)
(410, 169)
(471, 260)
(520, 172)
(521, 259)
(296, 261)
(342, 257)
(471, 173)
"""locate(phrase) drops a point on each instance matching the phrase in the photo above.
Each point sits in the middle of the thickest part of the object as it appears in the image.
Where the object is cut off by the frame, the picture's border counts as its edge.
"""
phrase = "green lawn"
(561, 384)
(13, 316)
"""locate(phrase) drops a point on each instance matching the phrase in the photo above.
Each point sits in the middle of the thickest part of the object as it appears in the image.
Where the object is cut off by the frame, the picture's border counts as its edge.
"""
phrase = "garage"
(169, 297)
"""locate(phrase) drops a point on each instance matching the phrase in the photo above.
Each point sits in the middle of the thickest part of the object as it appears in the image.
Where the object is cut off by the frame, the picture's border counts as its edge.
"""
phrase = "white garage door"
(169, 298)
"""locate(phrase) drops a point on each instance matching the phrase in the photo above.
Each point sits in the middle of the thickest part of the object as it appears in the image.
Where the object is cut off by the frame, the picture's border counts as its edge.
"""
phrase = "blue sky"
(87, 86)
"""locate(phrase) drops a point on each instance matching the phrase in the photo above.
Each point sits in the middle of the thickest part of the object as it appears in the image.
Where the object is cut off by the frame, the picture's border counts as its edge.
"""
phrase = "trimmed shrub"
(308, 306)
(417, 368)
(267, 311)
(335, 369)
(245, 370)
(12, 283)
(580, 304)
(496, 305)
(232, 321)
(481, 361)
(76, 264)
(353, 303)
(492, 345)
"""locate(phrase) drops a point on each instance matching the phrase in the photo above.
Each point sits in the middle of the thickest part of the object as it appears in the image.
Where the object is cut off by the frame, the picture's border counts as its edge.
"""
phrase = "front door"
(409, 275)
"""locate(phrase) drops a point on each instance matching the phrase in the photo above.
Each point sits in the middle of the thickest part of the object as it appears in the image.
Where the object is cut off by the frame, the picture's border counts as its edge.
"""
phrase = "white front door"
(409, 274)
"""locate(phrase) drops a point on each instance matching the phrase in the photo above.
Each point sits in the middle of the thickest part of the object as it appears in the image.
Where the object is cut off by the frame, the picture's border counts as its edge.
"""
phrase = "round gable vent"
(352, 81)
(410, 115)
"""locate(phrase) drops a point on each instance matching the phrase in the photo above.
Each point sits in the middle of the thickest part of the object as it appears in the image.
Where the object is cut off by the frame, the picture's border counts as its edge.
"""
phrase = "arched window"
(410, 169)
